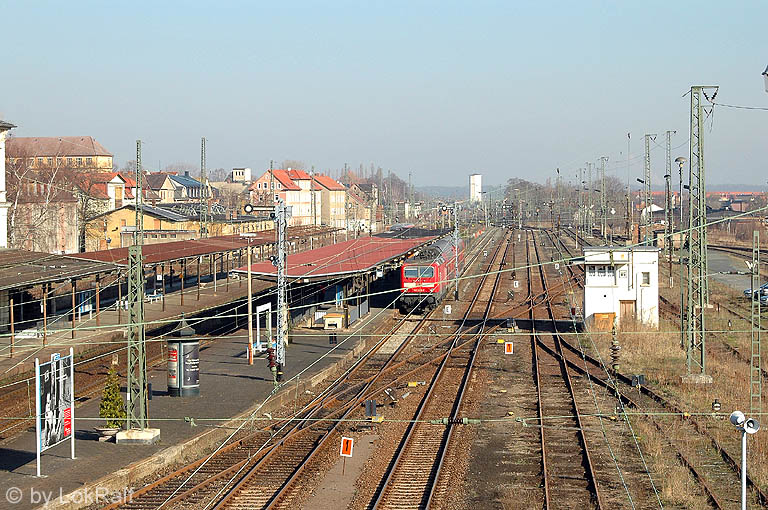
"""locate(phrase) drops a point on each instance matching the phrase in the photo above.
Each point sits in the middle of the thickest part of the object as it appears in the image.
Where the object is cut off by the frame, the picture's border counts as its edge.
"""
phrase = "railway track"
(411, 479)
(568, 473)
(265, 469)
(711, 465)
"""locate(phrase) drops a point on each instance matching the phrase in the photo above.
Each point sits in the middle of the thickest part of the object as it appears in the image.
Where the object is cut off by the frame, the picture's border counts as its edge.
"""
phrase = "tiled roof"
(285, 180)
(94, 184)
(19, 147)
(156, 181)
(356, 197)
(298, 175)
(328, 183)
(186, 181)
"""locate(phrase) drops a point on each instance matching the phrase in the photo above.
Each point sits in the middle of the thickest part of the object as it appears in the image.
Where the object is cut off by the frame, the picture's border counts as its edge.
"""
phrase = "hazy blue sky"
(441, 88)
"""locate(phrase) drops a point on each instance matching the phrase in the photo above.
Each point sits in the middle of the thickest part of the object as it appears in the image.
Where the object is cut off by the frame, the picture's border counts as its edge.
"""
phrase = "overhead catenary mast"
(648, 198)
(203, 192)
(136, 369)
(696, 269)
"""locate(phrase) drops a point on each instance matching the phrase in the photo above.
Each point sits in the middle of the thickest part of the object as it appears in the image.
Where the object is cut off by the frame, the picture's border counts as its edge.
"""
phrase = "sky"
(441, 89)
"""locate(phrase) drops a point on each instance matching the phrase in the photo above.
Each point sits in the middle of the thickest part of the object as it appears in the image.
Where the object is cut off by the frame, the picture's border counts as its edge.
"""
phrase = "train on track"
(426, 276)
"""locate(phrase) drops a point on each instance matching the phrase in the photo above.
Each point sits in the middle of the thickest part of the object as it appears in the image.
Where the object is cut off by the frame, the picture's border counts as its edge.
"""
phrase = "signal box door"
(627, 311)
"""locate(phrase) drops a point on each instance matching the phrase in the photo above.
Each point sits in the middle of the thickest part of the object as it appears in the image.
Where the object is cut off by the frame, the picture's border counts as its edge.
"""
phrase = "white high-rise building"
(475, 188)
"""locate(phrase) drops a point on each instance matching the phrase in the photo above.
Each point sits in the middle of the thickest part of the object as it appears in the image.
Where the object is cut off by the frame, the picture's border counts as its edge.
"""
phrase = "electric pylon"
(755, 375)
(697, 295)
(281, 220)
(589, 216)
(136, 410)
(603, 200)
(647, 187)
(203, 192)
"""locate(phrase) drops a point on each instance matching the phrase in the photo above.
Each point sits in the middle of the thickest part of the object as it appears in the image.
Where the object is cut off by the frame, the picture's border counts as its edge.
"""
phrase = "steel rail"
(350, 407)
(567, 378)
(399, 454)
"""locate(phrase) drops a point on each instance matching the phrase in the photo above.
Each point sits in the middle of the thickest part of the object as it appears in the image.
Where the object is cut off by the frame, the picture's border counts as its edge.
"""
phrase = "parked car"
(764, 299)
(761, 291)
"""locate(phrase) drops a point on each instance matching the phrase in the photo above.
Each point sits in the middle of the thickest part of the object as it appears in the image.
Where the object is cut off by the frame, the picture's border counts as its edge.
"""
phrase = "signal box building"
(621, 283)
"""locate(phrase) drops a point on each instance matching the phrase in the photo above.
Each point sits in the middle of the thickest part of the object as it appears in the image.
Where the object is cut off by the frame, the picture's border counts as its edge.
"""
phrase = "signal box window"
(646, 278)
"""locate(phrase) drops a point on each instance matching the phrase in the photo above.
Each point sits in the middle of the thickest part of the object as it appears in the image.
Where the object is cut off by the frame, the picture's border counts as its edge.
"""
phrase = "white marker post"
(37, 413)
(72, 396)
(347, 443)
(266, 307)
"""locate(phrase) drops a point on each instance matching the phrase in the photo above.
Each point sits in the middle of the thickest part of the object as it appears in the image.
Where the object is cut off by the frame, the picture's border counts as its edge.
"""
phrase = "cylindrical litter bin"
(184, 364)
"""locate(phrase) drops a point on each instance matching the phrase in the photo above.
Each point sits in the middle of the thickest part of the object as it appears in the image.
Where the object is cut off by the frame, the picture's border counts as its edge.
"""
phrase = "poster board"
(54, 403)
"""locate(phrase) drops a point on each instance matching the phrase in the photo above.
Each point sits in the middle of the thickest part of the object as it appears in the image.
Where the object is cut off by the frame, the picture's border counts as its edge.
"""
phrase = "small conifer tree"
(112, 406)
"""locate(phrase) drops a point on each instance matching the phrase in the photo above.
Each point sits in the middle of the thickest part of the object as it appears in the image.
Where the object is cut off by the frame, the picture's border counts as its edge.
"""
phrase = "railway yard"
(459, 423)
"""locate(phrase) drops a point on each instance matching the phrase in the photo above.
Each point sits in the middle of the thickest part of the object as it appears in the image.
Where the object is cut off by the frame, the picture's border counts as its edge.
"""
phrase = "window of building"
(89, 161)
(58, 161)
(173, 236)
(49, 160)
(646, 278)
(79, 161)
(40, 161)
(601, 271)
(154, 236)
(163, 236)
(610, 271)
(69, 161)
(122, 223)
(591, 270)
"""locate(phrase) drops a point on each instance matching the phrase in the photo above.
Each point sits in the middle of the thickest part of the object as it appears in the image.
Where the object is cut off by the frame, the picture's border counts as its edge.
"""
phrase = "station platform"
(111, 323)
(229, 387)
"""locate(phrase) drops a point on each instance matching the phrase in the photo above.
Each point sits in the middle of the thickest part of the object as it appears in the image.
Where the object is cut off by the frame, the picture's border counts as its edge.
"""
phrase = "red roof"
(328, 183)
(351, 256)
(299, 175)
(163, 252)
(21, 146)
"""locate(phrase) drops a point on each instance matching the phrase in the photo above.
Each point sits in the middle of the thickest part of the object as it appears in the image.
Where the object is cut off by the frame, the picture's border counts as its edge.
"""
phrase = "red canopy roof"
(351, 256)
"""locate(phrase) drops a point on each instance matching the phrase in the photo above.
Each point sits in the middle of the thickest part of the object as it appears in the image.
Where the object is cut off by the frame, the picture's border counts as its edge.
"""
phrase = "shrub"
(112, 406)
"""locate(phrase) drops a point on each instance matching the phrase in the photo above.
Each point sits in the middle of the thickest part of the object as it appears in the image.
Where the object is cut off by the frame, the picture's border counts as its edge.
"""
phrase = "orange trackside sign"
(346, 446)
(509, 348)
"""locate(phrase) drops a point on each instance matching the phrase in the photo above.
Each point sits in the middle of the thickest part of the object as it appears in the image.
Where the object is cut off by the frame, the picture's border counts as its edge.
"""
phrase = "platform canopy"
(157, 253)
(341, 259)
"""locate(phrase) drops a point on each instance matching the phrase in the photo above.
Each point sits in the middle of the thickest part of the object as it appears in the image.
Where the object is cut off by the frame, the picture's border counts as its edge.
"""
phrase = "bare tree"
(293, 164)
(39, 195)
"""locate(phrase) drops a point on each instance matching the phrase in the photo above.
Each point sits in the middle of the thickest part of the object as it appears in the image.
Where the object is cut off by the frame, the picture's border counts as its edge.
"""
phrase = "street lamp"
(746, 426)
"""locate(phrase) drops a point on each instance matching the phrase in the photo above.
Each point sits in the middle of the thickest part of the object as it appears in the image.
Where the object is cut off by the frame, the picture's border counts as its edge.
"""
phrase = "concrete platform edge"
(189, 450)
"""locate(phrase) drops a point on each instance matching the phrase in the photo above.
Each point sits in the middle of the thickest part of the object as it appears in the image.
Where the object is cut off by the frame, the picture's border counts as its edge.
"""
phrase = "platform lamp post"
(746, 426)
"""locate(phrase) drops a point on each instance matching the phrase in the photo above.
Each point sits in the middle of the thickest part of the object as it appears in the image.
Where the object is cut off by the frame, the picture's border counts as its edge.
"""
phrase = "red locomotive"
(427, 275)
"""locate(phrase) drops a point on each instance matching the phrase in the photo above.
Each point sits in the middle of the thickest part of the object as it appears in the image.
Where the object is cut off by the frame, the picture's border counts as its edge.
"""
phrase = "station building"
(621, 284)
